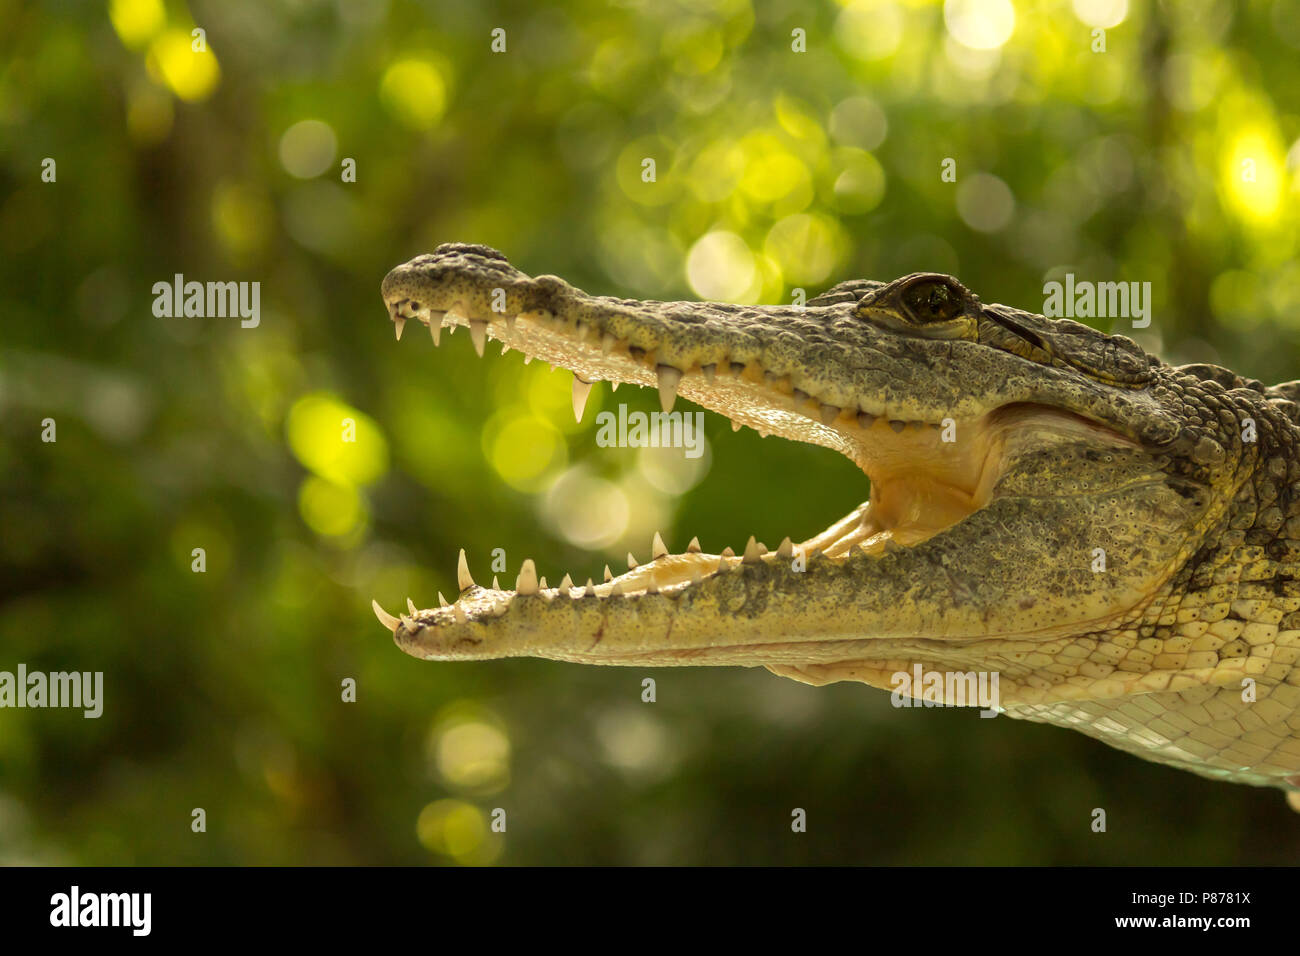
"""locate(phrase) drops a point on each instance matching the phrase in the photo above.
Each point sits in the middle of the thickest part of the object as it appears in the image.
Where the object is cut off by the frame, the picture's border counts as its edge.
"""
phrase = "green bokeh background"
(1172, 157)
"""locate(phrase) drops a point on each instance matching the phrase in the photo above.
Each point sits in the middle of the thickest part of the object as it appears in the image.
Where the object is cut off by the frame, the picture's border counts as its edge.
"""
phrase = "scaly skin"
(1117, 539)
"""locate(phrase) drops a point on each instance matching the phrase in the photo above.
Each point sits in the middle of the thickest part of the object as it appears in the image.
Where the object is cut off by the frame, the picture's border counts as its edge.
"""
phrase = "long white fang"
(442, 601)
(668, 379)
(410, 606)
(608, 574)
(495, 585)
(435, 330)
(657, 548)
(694, 546)
(526, 583)
(399, 323)
(478, 333)
(463, 577)
(631, 561)
(385, 618)
(581, 390)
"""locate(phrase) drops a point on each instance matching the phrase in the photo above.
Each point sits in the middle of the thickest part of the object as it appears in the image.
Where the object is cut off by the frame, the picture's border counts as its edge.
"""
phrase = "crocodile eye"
(933, 301)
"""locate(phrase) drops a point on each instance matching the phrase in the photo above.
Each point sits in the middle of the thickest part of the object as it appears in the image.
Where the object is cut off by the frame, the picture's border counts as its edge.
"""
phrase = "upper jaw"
(812, 374)
(783, 369)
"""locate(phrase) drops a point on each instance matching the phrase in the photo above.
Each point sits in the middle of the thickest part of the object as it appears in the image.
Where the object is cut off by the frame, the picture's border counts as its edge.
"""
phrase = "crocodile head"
(1042, 495)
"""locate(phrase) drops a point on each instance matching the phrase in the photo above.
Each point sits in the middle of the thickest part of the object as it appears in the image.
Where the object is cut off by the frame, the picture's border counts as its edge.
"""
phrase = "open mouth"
(925, 476)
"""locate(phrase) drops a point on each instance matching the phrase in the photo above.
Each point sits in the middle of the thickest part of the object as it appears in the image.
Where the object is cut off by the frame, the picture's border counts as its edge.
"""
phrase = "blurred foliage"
(776, 169)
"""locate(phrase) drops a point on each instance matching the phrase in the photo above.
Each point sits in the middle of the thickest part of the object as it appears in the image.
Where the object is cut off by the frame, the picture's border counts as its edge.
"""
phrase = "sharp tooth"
(527, 580)
(527, 358)
(785, 549)
(866, 419)
(668, 379)
(581, 390)
(608, 576)
(607, 343)
(737, 368)
(616, 589)
(710, 372)
(590, 590)
(722, 565)
(542, 583)
(495, 586)
(505, 347)
(735, 426)
(657, 548)
(613, 385)
(463, 578)
(728, 553)
(566, 583)
(631, 561)
(694, 546)
(696, 577)
(652, 587)
(830, 413)
(897, 425)
(435, 330)
(751, 551)
(478, 333)
(385, 618)
(399, 323)
(410, 606)
(442, 601)
(408, 624)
